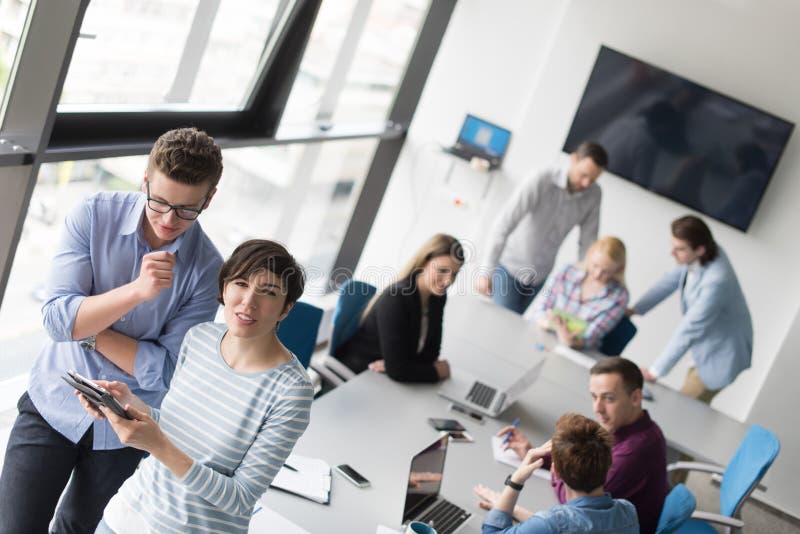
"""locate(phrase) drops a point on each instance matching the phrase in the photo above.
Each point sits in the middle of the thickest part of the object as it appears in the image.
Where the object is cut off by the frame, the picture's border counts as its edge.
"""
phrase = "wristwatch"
(513, 485)
(89, 343)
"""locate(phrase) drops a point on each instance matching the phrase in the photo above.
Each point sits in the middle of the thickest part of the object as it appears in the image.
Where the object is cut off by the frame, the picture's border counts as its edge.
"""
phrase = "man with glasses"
(132, 274)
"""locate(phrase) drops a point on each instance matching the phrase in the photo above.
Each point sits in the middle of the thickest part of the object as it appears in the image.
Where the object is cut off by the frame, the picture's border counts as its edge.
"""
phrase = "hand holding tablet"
(97, 395)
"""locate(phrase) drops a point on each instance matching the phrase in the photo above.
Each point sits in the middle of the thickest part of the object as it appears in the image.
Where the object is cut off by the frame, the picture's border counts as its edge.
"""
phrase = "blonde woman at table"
(401, 329)
(592, 291)
(238, 402)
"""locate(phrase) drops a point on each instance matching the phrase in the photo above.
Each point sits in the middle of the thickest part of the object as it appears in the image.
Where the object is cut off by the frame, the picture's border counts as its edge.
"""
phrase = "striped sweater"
(238, 427)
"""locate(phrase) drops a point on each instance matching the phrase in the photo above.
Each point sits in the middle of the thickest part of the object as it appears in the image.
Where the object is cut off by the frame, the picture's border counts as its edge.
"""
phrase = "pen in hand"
(506, 439)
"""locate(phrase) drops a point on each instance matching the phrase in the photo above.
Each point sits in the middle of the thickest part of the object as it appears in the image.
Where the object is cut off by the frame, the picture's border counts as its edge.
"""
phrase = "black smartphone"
(352, 475)
(97, 395)
(478, 418)
(448, 425)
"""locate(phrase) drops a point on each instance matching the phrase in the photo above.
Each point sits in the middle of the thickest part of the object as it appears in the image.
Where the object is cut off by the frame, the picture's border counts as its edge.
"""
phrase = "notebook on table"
(306, 477)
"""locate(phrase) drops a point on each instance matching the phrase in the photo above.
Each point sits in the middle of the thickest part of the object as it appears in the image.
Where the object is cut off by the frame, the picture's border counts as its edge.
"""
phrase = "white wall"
(476, 71)
(524, 65)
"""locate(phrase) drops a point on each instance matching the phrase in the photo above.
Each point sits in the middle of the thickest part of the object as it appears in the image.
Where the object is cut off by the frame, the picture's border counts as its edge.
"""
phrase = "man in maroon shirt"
(639, 457)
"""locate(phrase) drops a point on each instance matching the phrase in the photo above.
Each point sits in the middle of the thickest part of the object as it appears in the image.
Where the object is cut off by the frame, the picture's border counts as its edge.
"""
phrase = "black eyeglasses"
(187, 214)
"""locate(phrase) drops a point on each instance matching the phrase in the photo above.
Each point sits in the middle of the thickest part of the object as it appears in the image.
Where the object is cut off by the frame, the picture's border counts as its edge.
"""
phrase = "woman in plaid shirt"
(593, 290)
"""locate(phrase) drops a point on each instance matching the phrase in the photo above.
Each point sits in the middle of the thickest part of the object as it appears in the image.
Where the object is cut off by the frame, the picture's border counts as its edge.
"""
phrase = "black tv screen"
(678, 138)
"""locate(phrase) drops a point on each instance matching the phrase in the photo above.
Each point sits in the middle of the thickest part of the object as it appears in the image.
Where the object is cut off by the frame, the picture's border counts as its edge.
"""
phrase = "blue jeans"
(38, 464)
(510, 293)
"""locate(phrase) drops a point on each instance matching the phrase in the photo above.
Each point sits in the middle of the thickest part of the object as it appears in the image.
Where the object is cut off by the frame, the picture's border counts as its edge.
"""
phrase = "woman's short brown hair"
(581, 452)
(259, 255)
(187, 155)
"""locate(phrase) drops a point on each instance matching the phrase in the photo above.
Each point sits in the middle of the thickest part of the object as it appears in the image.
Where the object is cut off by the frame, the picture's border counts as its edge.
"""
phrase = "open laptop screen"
(425, 477)
(489, 137)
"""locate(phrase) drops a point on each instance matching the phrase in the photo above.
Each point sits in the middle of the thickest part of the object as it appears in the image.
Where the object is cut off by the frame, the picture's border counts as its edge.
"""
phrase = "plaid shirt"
(602, 312)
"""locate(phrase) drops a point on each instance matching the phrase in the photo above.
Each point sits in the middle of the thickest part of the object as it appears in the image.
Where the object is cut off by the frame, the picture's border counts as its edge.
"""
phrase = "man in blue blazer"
(716, 324)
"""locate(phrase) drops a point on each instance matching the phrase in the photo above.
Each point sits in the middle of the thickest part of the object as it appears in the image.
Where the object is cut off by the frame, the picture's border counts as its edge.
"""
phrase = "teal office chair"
(742, 475)
(678, 508)
(354, 296)
(299, 330)
(619, 336)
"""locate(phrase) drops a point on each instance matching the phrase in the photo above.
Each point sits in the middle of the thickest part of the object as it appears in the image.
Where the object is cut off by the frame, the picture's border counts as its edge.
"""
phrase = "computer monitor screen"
(425, 477)
(489, 137)
(679, 139)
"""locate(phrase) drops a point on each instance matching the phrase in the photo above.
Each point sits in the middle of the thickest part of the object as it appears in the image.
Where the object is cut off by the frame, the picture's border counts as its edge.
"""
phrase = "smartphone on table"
(352, 475)
(478, 418)
(448, 425)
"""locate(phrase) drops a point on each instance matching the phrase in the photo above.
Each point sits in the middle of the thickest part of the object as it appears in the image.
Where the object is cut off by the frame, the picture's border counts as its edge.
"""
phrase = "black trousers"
(38, 464)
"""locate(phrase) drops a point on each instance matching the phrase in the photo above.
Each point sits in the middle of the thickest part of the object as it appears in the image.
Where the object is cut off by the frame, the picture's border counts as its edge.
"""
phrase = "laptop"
(485, 394)
(423, 501)
(482, 139)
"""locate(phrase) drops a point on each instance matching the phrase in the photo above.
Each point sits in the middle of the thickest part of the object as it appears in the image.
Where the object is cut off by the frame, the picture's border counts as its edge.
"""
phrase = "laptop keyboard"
(481, 394)
(445, 517)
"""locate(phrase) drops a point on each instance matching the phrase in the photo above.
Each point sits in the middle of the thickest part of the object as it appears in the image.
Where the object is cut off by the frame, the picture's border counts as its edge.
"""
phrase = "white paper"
(312, 478)
(265, 520)
(509, 457)
(386, 530)
(504, 456)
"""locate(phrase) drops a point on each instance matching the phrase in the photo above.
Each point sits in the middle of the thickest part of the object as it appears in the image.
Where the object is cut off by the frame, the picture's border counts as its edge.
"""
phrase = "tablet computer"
(575, 325)
(97, 395)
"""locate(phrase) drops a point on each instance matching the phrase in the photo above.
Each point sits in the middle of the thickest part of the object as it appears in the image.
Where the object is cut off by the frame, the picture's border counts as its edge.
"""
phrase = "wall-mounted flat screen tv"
(678, 138)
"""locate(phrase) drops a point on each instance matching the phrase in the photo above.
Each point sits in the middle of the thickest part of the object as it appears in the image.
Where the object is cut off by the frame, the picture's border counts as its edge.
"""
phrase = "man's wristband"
(513, 485)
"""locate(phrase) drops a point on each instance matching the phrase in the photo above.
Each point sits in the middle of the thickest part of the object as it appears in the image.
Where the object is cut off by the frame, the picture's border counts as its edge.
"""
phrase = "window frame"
(33, 132)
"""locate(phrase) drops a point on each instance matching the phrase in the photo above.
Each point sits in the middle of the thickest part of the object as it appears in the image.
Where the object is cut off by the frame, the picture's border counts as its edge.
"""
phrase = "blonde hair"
(437, 245)
(612, 248)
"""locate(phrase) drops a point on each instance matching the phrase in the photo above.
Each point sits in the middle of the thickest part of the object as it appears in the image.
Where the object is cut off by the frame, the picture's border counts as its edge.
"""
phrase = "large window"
(372, 60)
(263, 191)
(12, 21)
(380, 60)
(167, 54)
(140, 67)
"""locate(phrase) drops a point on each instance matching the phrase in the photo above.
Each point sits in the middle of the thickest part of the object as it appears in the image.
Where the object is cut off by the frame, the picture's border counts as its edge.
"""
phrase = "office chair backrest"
(619, 336)
(678, 508)
(298, 332)
(747, 467)
(354, 296)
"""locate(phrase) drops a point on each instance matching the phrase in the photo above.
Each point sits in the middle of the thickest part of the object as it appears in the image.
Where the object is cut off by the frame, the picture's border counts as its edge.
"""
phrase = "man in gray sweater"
(531, 227)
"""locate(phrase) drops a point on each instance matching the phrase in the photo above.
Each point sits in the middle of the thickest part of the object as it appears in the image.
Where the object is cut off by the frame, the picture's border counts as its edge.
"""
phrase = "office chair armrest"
(337, 367)
(695, 466)
(718, 519)
(326, 373)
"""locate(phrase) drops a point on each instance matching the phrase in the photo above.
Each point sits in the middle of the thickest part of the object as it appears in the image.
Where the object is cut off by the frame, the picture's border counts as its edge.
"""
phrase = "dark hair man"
(531, 227)
(132, 274)
(638, 470)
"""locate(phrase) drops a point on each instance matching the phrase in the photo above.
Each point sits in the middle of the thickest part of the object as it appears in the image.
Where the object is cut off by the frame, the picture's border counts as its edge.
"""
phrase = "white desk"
(377, 425)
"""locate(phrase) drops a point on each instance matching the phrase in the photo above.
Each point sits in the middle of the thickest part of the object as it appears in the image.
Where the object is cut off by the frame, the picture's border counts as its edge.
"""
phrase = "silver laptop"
(486, 394)
(423, 501)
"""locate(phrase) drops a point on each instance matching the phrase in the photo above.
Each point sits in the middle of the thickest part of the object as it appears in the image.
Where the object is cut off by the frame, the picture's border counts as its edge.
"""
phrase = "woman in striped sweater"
(238, 402)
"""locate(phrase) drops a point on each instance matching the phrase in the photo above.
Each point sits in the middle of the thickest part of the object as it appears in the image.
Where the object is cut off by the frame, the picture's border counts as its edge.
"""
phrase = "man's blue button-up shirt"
(102, 249)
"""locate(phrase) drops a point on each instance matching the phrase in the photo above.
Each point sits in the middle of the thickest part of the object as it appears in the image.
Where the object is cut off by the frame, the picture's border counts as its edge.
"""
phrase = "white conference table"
(377, 425)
